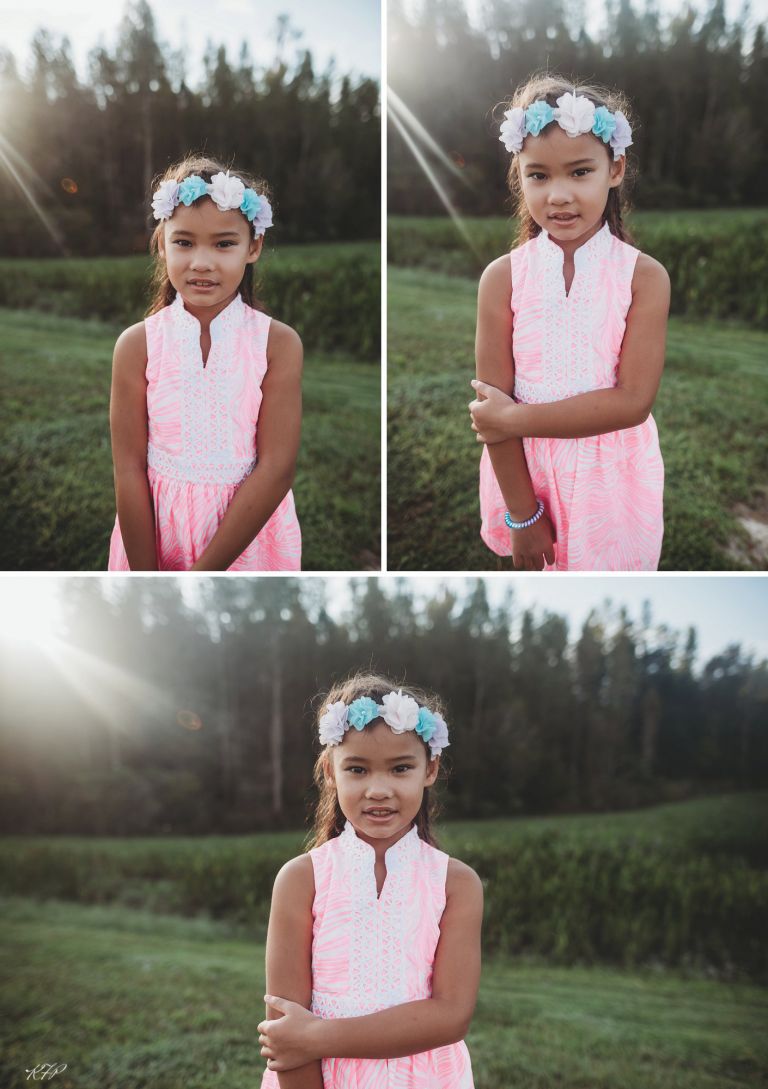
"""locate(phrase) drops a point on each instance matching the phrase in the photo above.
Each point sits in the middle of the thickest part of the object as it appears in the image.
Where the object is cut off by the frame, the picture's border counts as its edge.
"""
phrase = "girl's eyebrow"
(392, 759)
(218, 234)
(543, 166)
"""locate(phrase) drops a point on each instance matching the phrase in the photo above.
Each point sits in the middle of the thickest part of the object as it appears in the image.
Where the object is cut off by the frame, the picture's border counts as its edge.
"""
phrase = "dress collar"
(597, 244)
(406, 848)
(230, 317)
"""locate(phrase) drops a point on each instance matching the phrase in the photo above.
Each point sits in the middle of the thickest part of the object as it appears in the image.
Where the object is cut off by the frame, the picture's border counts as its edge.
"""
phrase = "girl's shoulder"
(284, 348)
(295, 879)
(131, 348)
(650, 277)
(462, 883)
(496, 280)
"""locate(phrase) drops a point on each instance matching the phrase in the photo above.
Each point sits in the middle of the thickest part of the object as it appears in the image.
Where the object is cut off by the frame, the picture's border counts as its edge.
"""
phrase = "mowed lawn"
(712, 415)
(132, 1000)
(57, 494)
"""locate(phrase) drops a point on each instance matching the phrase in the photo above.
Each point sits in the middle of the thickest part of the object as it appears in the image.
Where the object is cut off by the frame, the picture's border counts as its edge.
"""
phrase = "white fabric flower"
(513, 129)
(227, 192)
(333, 724)
(575, 114)
(263, 217)
(622, 135)
(165, 199)
(400, 712)
(439, 739)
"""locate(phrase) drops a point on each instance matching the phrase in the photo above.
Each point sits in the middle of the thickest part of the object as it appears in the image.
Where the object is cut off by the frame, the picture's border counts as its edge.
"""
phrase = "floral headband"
(400, 712)
(226, 191)
(575, 114)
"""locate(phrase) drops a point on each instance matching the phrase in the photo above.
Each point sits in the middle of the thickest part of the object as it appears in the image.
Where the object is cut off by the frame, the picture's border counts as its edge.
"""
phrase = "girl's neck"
(570, 245)
(206, 314)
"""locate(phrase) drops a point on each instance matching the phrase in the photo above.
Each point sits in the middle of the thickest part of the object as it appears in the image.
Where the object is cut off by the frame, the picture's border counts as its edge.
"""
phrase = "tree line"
(697, 83)
(153, 713)
(85, 152)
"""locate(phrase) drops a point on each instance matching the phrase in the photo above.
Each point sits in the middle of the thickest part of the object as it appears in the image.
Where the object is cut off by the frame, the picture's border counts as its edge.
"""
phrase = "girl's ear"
(433, 766)
(328, 770)
(161, 243)
(618, 167)
(254, 250)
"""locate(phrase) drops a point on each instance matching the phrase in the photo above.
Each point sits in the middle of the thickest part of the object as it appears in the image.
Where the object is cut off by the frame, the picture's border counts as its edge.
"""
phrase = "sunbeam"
(434, 181)
(9, 153)
(411, 121)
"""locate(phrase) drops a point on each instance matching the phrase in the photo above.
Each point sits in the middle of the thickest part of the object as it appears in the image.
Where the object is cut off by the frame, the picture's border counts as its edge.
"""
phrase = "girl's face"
(566, 181)
(376, 768)
(206, 252)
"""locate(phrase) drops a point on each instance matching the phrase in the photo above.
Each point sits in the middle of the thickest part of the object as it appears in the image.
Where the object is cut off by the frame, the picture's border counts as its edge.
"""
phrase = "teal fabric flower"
(191, 189)
(427, 724)
(537, 116)
(604, 124)
(363, 710)
(251, 205)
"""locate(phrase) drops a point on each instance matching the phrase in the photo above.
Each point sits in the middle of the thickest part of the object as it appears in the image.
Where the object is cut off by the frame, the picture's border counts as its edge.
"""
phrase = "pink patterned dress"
(369, 954)
(202, 438)
(603, 493)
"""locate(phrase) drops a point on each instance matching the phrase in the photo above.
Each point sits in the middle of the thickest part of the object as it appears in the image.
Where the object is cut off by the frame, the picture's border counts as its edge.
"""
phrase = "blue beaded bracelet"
(529, 521)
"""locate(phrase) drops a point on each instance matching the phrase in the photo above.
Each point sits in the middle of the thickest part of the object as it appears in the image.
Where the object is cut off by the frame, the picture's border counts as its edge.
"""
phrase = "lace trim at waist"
(542, 393)
(347, 1005)
(199, 470)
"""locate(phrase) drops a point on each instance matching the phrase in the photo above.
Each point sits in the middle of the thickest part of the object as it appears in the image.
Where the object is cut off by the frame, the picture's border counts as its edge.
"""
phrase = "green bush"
(649, 888)
(331, 297)
(717, 262)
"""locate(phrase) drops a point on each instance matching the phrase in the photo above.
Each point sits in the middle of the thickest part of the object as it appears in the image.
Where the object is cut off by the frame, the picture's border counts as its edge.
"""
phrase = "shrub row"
(334, 305)
(718, 264)
(620, 903)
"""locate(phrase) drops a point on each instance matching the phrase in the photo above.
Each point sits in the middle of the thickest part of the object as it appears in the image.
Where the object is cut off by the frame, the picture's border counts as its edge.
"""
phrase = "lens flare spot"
(69, 185)
(458, 158)
(189, 720)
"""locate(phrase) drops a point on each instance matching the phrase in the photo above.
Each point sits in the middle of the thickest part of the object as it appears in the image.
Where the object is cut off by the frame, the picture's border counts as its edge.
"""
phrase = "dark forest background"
(152, 713)
(87, 151)
(698, 85)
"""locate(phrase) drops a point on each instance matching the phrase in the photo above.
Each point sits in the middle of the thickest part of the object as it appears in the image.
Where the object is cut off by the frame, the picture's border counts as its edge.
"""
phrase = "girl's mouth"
(201, 284)
(379, 814)
(564, 218)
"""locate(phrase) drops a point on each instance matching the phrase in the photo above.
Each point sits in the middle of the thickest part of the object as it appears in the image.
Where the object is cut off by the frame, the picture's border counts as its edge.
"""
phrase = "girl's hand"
(288, 1041)
(533, 545)
(492, 413)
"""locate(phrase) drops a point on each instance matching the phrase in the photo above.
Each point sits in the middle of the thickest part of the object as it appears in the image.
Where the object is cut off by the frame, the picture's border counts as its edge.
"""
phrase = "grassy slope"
(133, 1001)
(712, 413)
(57, 494)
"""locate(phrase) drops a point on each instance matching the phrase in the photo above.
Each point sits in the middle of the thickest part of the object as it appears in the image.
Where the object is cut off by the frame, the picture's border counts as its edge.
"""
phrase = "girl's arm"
(128, 425)
(495, 364)
(629, 403)
(279, 427)
(289, 955)
(412, 1026)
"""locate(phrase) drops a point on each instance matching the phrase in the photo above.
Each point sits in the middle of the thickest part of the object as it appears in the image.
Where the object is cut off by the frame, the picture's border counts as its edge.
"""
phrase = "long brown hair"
(549, 86)
(163, 291)
(328, 818)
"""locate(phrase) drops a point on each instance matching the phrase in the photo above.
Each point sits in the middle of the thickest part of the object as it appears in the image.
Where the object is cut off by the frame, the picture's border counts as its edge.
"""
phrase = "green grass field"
(130, 1000)
(711, 411)
(57, 494)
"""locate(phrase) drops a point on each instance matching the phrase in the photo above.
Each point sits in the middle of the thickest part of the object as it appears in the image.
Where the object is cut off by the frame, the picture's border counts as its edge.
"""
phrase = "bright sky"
(347, 30)
(724, 609)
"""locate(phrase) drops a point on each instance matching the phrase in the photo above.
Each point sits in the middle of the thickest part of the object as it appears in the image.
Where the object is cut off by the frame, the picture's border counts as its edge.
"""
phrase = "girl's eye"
(227, 242)
(536, 177)
(181, 242)
(400, 767)
(582, 170)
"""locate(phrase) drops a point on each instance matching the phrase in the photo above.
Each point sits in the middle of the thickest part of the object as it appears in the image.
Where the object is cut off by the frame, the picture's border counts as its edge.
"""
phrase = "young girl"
(375, 930)
(206, 397)
(571, 477)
